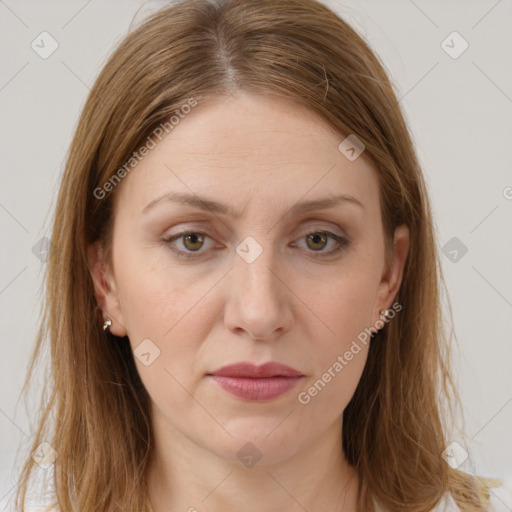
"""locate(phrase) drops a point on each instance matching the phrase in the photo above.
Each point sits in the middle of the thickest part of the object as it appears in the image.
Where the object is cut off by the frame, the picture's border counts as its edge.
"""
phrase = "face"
(255, 277)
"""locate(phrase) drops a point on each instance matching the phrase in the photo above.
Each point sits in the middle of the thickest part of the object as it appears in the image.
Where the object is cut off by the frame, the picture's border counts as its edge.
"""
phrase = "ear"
(392, 276)
(105, 289)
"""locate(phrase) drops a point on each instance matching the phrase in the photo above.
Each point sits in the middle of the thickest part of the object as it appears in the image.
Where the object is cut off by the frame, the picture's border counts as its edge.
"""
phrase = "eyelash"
(343, 243)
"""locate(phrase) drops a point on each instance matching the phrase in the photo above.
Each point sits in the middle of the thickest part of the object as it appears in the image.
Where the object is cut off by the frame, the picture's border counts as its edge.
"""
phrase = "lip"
(257, 382)
(250, 370)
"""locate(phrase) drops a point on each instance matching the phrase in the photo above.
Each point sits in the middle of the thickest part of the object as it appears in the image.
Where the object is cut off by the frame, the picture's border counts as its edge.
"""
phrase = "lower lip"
(256, 389)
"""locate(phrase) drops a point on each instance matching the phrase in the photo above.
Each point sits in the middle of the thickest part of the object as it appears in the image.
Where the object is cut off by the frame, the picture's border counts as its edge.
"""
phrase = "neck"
(183, 475)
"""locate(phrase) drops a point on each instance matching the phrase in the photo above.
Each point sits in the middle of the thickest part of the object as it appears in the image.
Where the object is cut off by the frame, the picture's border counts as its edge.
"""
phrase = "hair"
(395, 427)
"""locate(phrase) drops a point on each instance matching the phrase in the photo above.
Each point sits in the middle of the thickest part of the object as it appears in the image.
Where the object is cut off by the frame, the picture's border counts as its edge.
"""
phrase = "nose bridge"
(258, 302)
(254, 267)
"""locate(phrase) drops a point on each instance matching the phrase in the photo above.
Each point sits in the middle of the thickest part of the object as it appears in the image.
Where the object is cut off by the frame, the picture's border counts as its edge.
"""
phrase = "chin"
(258, 443)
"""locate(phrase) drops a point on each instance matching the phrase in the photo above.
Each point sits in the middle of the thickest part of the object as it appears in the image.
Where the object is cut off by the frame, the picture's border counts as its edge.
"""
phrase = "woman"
(243, 301)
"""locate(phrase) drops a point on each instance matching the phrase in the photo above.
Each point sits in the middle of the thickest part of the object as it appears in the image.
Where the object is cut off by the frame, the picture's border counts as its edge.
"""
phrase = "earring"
(107, 324)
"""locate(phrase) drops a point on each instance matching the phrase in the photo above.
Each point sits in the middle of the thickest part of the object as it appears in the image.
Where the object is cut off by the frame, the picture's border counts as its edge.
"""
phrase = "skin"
(260, 155)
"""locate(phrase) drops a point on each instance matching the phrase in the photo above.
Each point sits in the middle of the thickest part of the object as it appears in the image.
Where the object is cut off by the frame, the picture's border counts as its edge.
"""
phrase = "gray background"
(459, 111)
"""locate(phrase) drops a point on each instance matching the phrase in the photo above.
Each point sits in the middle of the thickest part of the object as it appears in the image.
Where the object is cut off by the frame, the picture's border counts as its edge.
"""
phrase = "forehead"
(251, 150)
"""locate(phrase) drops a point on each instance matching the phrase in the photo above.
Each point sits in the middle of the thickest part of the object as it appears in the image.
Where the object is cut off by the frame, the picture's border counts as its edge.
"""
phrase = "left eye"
(318, 240)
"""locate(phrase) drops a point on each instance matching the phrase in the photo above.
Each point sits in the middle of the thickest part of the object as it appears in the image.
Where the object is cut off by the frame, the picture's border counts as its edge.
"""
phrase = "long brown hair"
(97, 415)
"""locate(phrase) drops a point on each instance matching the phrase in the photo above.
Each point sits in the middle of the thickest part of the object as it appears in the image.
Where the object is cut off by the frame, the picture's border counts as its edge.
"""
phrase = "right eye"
(192, 243)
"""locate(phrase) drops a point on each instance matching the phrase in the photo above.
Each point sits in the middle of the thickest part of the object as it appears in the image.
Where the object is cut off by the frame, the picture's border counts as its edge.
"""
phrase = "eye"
(193, 242)
(318, 240)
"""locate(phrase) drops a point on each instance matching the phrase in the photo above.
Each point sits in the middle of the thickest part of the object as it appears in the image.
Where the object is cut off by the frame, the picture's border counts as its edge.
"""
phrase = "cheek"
(344, 305)
(163, 305)
(173, 312)
(337, 358)
(156, 295)
(339, 341)
(328, 393)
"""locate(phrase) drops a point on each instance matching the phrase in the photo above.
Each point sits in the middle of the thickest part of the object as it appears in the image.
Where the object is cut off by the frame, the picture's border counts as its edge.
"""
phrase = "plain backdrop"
(459, 109)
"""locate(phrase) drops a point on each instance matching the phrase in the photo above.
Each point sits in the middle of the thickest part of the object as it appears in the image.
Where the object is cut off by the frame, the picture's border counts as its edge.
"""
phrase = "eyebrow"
(204, 203)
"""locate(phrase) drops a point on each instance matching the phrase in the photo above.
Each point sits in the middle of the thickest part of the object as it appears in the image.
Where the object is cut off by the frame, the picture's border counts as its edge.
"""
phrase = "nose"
(260, 302)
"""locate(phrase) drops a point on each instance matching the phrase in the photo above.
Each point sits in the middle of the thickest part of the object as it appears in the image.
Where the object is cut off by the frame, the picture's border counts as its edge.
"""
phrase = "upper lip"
(251, 370)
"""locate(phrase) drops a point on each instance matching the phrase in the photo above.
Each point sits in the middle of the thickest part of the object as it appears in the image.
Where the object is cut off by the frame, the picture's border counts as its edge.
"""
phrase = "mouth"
(256, 383)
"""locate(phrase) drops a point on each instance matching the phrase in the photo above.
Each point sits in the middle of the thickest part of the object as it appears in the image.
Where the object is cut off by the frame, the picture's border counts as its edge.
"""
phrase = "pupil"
(193, 238)
(314, 237)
